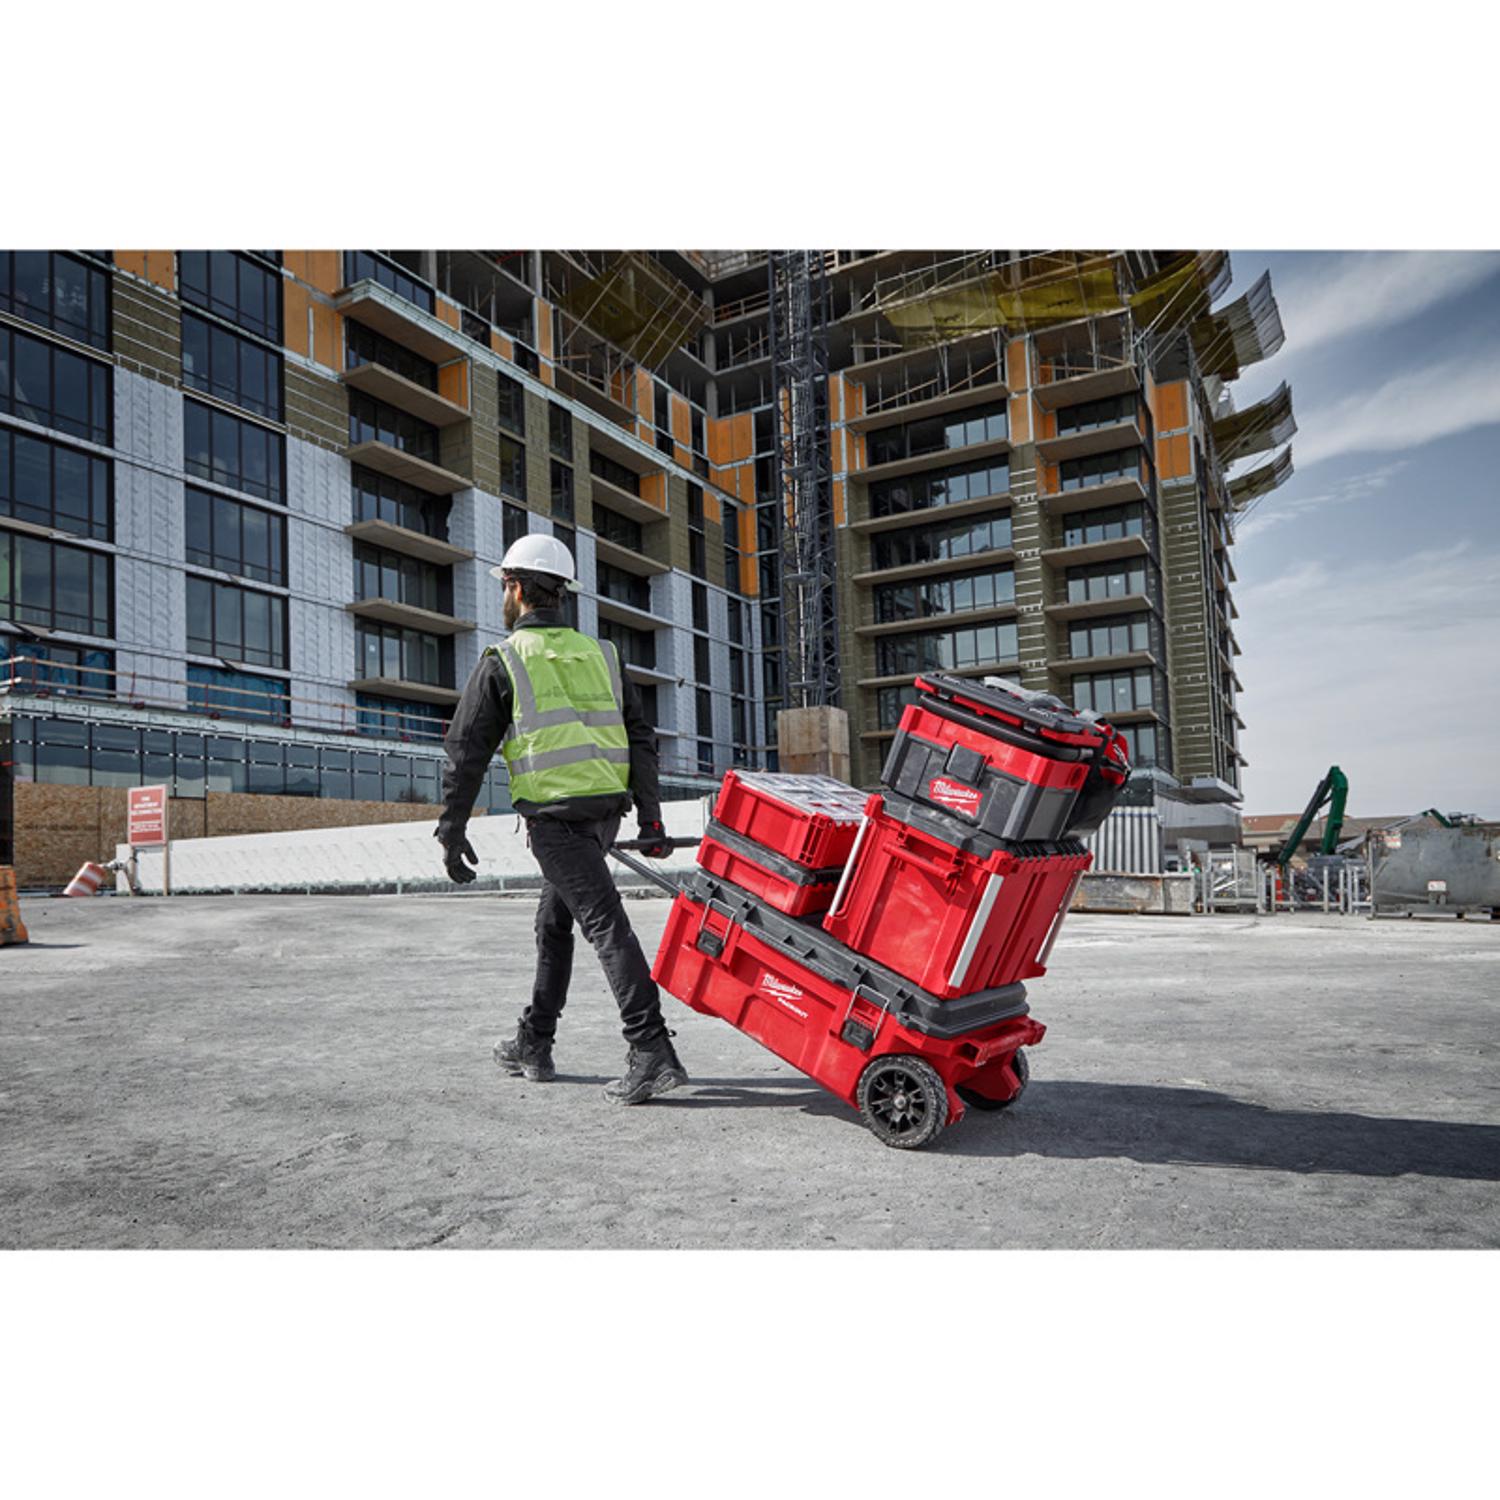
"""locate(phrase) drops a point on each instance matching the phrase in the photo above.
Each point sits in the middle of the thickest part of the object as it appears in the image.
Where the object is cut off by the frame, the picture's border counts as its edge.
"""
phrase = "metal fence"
(1128, 842)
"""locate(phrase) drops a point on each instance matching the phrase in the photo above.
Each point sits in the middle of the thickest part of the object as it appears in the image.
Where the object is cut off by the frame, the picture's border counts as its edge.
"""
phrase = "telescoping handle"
(656, 877)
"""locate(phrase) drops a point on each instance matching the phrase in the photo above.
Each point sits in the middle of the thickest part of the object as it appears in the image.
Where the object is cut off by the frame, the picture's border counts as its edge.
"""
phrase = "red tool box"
(947, 906)
(1014, 764)
(908, 1063)
(782, 882)
(810, 820)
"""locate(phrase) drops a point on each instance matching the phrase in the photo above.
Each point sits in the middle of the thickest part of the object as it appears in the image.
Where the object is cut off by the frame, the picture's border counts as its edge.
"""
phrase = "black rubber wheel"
(903, 1101)
(980, 1102)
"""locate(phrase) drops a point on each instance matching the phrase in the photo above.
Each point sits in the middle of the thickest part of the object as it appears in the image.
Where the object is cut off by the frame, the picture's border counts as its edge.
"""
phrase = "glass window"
(560, 432)
(636, 647)
(366, 265)
(392, 651)
(379, 497)
(240, 624)
(227, 450)
(616, 474)
(58, 291)
(1105, 525)
(49, 485)
(983, 424)
(702, 659)
(59, 668)
(54, 585)
(1099, 468)
(562, 491)
(1090, 414)
(621, 530)
(700, 607)
(512, 468)
(1109, 580)
(950, 486)
(231, 285)
(238, 695)
(1114, 635)
(626, 588)
(946, 650)
(939, 543)
(920, 599)
(235, 369)
(372, 421)
(379, 574)
(53, 387)
(515, 522)
(398, 719)
(512, 404)
(234, 537)
(364, 346)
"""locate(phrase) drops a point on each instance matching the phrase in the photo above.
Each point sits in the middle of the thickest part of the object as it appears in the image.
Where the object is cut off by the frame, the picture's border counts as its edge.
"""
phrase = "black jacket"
(480, 721)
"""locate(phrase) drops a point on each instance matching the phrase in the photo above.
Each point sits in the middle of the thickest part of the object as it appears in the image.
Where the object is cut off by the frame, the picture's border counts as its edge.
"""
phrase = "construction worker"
(578, 747)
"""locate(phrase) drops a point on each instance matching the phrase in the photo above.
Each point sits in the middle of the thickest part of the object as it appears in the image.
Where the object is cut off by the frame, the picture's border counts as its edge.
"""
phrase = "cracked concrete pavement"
(300, 1072)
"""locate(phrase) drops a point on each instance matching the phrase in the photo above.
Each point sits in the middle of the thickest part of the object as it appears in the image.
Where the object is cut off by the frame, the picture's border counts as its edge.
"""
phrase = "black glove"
(457, 849)
(654, 840)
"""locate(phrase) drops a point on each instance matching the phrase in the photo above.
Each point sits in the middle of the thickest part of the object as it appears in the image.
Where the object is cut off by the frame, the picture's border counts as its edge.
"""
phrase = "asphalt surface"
(262, 1072)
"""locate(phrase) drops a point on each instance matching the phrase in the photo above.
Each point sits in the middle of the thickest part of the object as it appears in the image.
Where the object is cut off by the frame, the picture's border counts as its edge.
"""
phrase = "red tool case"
(948, 907)
(777, 880)
(810, 820)
(908, 1062)
(1016, 765)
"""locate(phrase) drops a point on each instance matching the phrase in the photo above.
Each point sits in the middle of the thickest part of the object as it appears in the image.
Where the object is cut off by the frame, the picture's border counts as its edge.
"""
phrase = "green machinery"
(1334, 790)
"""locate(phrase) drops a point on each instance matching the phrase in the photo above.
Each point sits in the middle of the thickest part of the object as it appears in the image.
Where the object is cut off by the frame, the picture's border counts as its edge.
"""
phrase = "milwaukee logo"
(955, 796)
(783, 992)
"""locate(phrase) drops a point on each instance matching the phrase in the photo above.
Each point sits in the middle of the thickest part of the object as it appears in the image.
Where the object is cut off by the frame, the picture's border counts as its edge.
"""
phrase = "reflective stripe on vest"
(567, 733)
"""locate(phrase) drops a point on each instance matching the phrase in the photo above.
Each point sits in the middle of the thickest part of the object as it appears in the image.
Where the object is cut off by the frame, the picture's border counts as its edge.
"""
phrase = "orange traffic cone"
(87, 881)
(12, 928)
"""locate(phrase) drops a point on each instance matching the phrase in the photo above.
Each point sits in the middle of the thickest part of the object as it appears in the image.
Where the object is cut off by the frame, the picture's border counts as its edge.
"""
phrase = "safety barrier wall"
(381, 856)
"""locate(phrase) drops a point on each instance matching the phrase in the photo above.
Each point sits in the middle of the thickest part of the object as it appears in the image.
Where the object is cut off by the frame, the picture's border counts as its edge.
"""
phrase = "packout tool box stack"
(880, 942)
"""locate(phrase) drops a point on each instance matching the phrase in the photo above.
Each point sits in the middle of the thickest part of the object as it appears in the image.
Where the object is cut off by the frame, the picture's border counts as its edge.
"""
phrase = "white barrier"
(397, 855)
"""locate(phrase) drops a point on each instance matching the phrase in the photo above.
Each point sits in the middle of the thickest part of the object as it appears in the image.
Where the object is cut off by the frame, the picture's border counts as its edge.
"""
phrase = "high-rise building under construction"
(249, 500)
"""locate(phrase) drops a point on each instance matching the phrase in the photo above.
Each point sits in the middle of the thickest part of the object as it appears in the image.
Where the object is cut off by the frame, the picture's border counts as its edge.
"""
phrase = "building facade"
(249, 500)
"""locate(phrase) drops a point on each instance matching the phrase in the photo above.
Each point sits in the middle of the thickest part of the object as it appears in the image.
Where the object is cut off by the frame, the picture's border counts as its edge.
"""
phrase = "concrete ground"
(263, 1071)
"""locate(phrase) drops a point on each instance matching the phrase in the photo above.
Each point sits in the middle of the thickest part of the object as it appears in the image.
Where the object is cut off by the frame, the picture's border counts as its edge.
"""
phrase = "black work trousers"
(577, 888)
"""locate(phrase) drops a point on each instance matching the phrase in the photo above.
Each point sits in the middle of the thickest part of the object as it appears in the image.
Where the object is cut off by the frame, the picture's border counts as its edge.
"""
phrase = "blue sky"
(1369, 583)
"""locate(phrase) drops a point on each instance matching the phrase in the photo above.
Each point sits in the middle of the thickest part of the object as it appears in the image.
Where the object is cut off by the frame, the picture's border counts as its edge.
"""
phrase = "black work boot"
(651, 1069)
(526, 1056)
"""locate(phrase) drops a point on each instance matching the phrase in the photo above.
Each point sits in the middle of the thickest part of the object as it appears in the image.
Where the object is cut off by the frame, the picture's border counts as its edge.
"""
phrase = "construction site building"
(249, 501)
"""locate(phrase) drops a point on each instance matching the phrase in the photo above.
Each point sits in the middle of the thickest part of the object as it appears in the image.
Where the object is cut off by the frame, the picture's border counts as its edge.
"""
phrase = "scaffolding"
(799, 302)
(626, 298)
(1255, 429)
(1246, 331)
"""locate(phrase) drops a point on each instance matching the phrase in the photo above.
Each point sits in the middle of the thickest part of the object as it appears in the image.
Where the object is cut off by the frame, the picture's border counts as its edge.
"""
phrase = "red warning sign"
(146, 822)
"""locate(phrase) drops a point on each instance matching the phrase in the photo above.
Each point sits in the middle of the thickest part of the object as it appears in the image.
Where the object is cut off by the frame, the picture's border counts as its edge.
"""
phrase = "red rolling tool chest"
(908, 1063)
(1014, 764)
(950, 908)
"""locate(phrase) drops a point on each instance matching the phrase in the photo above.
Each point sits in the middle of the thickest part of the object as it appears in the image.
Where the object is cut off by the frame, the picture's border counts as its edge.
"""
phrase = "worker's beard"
(510, 610)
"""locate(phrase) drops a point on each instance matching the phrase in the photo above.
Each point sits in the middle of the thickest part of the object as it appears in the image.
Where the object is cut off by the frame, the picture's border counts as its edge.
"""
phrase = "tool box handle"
(946, 868)
(645, 871)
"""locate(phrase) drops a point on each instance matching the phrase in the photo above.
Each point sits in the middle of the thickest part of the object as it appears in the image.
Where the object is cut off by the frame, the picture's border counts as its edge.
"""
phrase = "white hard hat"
(539, 554)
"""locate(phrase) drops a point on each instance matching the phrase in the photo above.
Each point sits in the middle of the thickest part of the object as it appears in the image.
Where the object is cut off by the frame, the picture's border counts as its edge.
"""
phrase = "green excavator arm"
(1333, 789)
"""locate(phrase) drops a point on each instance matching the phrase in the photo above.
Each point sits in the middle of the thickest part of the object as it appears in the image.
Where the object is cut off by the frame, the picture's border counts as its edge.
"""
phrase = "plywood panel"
(453, 382)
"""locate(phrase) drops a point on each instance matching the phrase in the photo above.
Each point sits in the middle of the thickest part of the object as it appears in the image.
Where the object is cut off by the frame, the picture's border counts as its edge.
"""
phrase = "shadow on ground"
(1164, 1126)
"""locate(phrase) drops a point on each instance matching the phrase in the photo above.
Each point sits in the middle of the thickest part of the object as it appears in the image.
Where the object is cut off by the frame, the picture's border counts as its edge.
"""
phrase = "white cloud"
(1411, 408)
(1338, 295)
(1281, 506)
(1385, 668)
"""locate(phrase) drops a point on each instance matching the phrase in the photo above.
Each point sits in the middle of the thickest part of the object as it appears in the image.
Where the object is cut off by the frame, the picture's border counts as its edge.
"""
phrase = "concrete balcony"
(1105, 438)
(401, 321)
(995, 555)
(1084, 609)
(394, 612)
(650, 677)
(400, 687)
(934, 514)
(1119, 663)
(1092, 552)
(629, 505)
(407, 467)
(1119, 489)
(956, 620)
(937, 458)
(990, 669)
(406, 395)
(628, 614)
(412, 543)
(628, 559)
(893, 409)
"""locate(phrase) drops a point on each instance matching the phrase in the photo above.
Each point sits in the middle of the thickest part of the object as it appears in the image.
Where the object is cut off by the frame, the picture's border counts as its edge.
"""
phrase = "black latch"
(710, 943)
(965, 764)
(857, 1034)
